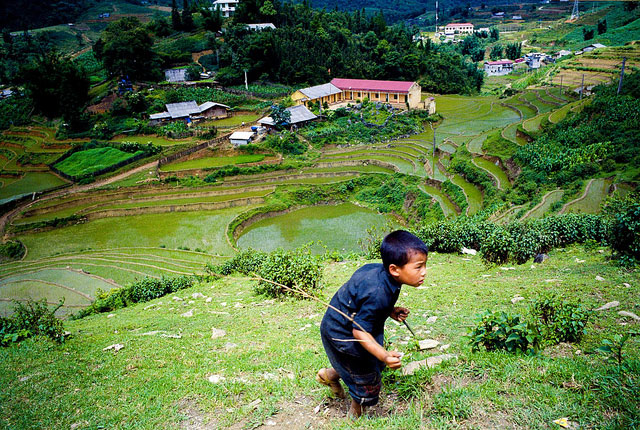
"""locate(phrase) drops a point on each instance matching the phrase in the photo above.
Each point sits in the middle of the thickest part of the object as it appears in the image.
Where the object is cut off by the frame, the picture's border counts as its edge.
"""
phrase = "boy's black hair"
(398, 247)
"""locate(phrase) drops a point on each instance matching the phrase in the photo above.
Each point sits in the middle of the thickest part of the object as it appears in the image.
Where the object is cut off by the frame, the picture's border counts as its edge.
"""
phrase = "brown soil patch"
(104, 105)
(194, 417)
(561, 350)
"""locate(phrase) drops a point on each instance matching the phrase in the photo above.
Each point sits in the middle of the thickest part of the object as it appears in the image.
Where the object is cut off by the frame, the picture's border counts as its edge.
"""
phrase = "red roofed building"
(498, 68)
(394, 92)
(458, 28)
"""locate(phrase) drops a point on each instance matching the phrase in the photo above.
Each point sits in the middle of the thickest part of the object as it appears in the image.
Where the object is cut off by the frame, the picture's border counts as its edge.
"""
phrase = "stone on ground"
(629, 314)
(410, 368)
(469, 251)
(428, 344)
(188, 314)
(609, 305)
(216, 333)
(599, 278)
(431, 320)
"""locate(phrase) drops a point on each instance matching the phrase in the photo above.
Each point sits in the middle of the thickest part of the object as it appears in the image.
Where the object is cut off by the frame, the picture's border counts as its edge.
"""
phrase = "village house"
(227, 7)
(563, 53)
(242, 137)
(593, 47)
(458, 28)
(262, 26)
(397, 93)
(189, 112)
(498, 68)
(300, 116)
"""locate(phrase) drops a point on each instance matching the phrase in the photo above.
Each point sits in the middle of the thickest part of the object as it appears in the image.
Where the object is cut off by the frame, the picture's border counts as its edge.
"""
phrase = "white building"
(498, 68)
(227, 7)
(262, 26)
(241, 137)
(458, 28)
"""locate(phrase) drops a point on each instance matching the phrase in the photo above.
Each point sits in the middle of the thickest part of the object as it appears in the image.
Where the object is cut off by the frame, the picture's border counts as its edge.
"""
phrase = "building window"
(395, 97)
(377, 96)
(358, 95)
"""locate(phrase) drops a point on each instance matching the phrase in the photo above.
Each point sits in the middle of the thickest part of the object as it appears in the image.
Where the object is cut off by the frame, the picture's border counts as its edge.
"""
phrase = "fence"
(168, 159)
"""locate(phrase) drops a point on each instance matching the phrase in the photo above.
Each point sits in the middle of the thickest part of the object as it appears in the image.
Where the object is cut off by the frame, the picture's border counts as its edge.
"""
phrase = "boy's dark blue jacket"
(368, 297)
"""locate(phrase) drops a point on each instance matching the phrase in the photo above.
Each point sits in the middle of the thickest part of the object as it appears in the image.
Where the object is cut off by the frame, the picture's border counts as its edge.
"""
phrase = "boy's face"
(411, 273)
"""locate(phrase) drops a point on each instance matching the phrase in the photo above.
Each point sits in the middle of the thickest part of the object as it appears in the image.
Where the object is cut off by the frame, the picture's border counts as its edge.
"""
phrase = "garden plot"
(534, 124)
(88, 161)
(472, 194)
(212, 162)
(591, 199)
(233, 121)
(558, 115)
(533, 97)
(29, 183)
(155, 140)
(467, 117)
(545, 205)
(448, 208)
(405, 165)
(495, 171)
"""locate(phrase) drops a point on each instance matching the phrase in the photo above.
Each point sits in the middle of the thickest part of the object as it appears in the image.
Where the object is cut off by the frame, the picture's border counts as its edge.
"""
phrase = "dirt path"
(7, 217)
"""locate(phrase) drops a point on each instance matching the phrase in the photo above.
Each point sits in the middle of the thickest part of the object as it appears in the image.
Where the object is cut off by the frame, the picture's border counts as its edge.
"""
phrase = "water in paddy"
(339, 227)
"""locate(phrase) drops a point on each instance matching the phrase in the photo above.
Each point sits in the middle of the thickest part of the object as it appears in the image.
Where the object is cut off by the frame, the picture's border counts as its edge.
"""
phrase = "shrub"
(32, 318)
(297, 269)
(625, 226)
(559, 320)
(246, 262)
(12, 250)
(497, 246)
(140, 291)
(502, 331)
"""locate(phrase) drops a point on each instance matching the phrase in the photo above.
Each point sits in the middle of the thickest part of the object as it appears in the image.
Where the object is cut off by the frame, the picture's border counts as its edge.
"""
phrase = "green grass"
(592, 202)
(543, 207)
(448, 208)
(473, 194)
(272, 350)
(495, 171)
(208, 162)
(156, 140)
(91, 160)
(29, 183)
(234, 121)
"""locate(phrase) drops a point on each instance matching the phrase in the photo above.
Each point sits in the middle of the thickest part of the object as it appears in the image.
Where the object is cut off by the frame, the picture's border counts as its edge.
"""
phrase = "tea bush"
(32, 318)
(297, 269)
(625, 227)
(12, 250)
(559, 320)
(518, 241)
(246, 262)
(140, 291)
(502, 331)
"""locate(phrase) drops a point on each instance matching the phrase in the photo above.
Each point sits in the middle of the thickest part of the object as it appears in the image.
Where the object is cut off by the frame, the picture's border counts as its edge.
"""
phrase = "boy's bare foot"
(331, 379)
(355, 411)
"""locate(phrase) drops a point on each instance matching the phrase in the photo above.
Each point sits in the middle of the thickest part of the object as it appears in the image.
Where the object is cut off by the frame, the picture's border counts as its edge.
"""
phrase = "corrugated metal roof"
(183, 109)
(298, 114)
(461, 24)
(318, 91)
(208, 105)
(241, 135)
(371, 85)
(496, 63)
(161, 115)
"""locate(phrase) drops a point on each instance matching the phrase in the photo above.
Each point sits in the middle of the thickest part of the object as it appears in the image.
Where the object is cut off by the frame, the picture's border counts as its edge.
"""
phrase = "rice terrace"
(183, 189)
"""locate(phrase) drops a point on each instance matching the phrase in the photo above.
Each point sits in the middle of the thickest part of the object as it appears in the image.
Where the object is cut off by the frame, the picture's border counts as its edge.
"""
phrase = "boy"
(354, 345)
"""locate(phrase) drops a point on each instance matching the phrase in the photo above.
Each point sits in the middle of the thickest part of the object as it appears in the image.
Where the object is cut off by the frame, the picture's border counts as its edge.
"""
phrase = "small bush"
(296, 269)
(12, 250)
(32, 318)
(502, 331)
(559, 320)
(246, 262)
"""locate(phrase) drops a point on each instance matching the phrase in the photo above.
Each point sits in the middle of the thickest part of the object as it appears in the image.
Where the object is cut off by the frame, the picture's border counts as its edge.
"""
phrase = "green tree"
(56, 85)
(125, 48)
(280, 115)
(176, 21)
(211, 18)
(602, 26)
(267, 9)
(513, 50)
(494, 34)
(496, 52)
(187, 16)
(588, 33)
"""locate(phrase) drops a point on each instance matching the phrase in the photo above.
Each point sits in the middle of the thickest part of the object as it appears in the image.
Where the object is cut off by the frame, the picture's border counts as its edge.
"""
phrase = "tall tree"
(125, 48)
(187, 17)
(176, 21)
(56, 85)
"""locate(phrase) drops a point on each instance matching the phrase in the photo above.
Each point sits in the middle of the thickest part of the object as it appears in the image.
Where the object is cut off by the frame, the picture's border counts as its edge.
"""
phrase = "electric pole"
(582, 87)
(575, 14)
(246, 84)
(624, 59)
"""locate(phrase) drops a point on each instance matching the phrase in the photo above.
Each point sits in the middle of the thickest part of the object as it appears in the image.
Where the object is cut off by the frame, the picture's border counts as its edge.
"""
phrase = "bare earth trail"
(7, 217)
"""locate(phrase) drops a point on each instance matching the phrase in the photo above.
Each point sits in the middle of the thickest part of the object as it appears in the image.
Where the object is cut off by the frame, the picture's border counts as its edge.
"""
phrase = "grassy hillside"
(178, 370)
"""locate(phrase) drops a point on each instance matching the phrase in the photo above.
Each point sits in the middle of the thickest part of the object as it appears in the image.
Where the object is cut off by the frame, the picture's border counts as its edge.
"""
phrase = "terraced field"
(592, 198)
(139, 226)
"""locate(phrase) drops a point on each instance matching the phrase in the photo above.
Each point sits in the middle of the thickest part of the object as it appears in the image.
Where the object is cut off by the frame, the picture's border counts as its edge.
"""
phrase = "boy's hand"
(399, 314)
(392, 360)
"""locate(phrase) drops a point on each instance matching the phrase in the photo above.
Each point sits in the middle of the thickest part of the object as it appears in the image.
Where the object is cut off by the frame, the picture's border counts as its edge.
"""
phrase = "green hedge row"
(518, 241)
(140, 291)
